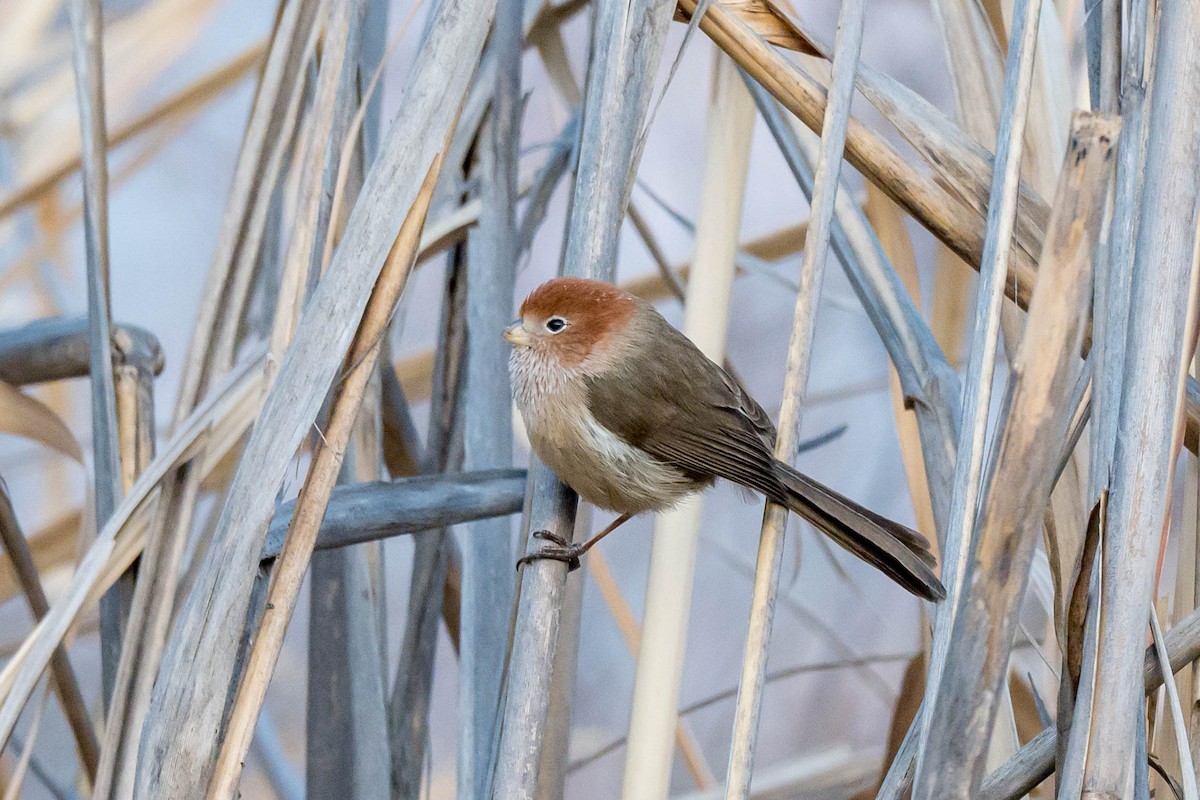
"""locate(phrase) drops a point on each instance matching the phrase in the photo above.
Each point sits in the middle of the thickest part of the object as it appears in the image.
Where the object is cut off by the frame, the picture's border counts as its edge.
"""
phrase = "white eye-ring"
(555, 324)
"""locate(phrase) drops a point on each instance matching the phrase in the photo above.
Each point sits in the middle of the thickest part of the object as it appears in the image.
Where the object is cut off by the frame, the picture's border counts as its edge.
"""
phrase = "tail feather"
(901, 554)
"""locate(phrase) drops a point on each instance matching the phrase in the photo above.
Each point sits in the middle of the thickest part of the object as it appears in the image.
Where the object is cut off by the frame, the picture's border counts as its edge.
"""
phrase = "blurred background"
(844, 636)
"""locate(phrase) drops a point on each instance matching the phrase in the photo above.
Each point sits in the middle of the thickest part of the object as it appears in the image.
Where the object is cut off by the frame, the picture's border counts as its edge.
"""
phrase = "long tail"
(901, 554)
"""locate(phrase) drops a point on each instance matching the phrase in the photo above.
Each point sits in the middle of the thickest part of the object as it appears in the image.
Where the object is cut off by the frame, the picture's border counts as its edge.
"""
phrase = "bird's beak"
(516, 334)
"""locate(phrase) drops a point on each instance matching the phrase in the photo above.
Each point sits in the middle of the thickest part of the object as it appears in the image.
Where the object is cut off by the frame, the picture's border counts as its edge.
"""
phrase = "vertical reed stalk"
(492, 253)
(960, 534)
(655, 714)
(627, 41)
(770, 547)
(87, 36)
(1150, 399)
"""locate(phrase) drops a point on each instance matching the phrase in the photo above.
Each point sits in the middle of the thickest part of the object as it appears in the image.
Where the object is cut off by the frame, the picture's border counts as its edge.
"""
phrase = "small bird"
(633, 417)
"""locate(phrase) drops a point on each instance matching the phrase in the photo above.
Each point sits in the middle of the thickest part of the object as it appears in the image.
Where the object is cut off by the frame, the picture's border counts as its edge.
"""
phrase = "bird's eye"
(555, 324)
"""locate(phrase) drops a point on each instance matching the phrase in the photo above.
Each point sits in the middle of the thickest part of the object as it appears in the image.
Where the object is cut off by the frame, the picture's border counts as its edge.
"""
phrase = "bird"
(629, 413)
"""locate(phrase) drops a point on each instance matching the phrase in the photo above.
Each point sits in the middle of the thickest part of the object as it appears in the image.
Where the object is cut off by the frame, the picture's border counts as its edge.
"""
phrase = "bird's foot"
(562, 550)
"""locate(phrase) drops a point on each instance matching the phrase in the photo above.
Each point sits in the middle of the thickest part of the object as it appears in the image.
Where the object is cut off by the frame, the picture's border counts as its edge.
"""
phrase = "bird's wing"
(748, 407)
(670, 400)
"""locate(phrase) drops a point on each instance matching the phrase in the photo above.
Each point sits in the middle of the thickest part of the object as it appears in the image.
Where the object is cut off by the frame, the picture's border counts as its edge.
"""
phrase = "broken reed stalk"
(627, 41)
(959, 545)
(58, 348)
(1036, 414)
(654, 719)
(1151, 399)
(770, 547)
(1110, 318)
(310, 506)
(87, 26)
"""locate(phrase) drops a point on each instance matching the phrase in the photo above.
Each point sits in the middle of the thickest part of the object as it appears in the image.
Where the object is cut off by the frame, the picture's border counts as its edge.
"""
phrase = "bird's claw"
(562, 551)
(551, 536)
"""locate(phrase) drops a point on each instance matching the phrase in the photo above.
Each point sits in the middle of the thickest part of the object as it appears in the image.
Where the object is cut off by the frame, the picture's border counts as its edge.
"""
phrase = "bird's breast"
(603, 468)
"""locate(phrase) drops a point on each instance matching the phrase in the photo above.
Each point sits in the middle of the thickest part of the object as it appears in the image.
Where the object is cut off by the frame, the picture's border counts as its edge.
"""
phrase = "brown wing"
(677, 405)
(685, 411)
(748, 407)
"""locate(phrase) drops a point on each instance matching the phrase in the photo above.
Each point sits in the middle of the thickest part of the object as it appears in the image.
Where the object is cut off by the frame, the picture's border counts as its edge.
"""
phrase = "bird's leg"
(565, 551)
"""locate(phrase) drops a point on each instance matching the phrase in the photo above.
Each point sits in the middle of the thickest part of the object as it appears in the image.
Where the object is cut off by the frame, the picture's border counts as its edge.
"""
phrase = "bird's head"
(570, 322)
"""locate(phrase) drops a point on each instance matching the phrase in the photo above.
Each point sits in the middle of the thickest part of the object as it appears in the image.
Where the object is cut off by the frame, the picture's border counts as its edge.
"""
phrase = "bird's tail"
(901, 554)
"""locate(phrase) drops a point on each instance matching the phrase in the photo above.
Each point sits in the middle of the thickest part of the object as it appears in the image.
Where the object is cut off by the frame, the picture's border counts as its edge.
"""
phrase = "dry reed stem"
(1186, 769)
(660, 658)
(1034, 762)
(119, 542)
(492, 255)
(631, 634)
(960, 533)
(293, 560)
(66, 683)
(12, 786)
(770, 547)
(1020, 475)
(369, 511)
(346, 718)
(410, 699)
(268, 115)
(1150, 399)
(291, 25)
(87, 37)
(1111, 307)
(258, 227)
(51, 548)
(627, 45)
(317, 158)
(888, 222)
(929, 383)
(150, 612)
(190, 694)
